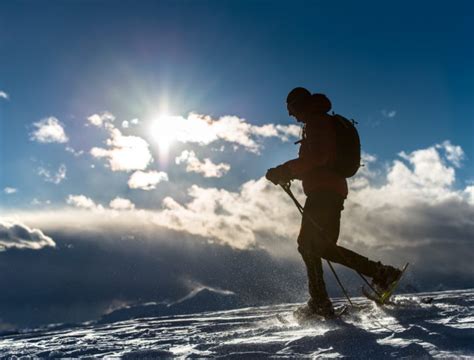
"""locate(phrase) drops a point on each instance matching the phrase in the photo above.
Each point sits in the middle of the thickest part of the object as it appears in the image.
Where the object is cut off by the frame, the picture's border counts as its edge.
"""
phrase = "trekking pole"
(287, 189)
(340, 283)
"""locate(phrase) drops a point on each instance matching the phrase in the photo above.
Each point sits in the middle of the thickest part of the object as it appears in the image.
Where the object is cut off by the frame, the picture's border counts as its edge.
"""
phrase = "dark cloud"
(14, 234)
(90, 272)
(93, 271)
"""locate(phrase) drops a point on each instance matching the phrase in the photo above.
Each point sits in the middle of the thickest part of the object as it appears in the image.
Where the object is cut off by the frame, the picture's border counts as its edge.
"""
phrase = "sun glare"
(164, 131)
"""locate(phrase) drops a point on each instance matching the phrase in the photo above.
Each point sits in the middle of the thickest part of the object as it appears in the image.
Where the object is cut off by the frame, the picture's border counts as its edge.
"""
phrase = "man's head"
(303, 105)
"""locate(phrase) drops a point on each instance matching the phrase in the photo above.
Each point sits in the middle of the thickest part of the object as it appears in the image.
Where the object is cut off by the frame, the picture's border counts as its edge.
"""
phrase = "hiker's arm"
(320, 150)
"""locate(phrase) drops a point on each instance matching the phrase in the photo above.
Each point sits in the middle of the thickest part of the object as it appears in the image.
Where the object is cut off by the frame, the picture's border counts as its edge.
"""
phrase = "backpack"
(347, 146)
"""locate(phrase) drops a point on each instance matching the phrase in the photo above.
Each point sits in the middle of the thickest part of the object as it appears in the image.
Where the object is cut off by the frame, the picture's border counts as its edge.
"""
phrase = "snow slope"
(424, 325)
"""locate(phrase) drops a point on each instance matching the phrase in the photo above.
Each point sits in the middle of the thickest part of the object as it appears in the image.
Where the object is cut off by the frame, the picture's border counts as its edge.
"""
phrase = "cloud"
(288, 131)
(203, 130)
(120, 258)
(125, 153)
(389, 113)
(103, 119)
(55, 178)
(76, 153)
(14, 234)
(388, 210)
(4, 95)
(365, 173)
(454, 154)
(206, 167)
(223, 238)
(49, 130)
(259, 210)
(121, 204)
(126, 123)
(37, 202)
(414, 211)
(422, 175)
(244, 240)
(9, 190)
(469, 193)
(83, 202)
(146, 180)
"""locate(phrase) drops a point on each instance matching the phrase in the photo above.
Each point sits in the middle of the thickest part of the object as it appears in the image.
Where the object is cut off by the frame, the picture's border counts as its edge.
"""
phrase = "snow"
(422, 325)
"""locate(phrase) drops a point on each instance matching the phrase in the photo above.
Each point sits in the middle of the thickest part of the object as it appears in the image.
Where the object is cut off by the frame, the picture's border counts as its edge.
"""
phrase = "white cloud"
(4, 95)
(146, 180)
(203, 130)
(287, 131)
(125, 153)
(413, 203)
(127, 123)
(121, 204)
(378, 210)
(55, 178)
(14, 234)
(84, 202)
(433, 233)
(9, 190)
(469, 193)
(81, 201)
(49, 130)
(365, 173)
(206, 167)
(76, 153)
(389, 113)
(103, 119)
(454, 154)
(37, 202)
(236, 218)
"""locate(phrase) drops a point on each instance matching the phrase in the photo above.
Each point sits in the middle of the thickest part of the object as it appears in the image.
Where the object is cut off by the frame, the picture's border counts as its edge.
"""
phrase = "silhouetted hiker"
(326, 191)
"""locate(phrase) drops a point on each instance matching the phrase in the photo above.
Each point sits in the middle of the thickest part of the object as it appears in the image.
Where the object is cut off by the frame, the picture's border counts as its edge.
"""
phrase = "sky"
(134, 137)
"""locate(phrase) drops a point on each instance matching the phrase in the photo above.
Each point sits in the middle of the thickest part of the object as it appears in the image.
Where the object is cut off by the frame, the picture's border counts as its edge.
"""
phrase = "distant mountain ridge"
(202, 300)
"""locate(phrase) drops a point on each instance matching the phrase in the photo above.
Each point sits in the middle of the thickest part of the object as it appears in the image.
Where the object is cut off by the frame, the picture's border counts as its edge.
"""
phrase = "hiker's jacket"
(317, 154)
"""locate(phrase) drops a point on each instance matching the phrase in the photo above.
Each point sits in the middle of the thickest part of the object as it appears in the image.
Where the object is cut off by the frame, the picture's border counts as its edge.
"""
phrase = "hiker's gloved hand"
(279, 175)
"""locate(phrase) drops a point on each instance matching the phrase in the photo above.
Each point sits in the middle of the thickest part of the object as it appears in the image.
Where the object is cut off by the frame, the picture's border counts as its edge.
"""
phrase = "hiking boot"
(310, 311)
(385, 276)
(321, 308)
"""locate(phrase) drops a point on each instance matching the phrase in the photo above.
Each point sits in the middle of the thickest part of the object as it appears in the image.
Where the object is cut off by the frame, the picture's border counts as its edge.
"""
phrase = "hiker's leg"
(314, 268)
(322, 215)
(351, 259)
(316, 285)
(325, 209)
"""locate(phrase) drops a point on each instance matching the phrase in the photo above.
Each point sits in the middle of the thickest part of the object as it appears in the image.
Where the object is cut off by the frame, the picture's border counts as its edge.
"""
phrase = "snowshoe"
(385, 288)
(307, 313)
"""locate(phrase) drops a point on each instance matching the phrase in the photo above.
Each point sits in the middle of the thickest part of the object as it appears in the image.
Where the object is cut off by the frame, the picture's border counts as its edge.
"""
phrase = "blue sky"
(402, 70)
(73, 59)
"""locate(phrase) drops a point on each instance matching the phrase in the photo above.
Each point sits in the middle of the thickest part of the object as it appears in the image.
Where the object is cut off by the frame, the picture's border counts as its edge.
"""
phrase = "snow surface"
(424, 325)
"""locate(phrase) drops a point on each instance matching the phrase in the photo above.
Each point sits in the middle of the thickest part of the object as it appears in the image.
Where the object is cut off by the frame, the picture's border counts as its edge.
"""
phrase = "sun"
(164, 131)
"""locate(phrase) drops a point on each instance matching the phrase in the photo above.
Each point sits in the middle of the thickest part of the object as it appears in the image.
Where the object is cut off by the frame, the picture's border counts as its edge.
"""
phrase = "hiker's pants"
(324, 208)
